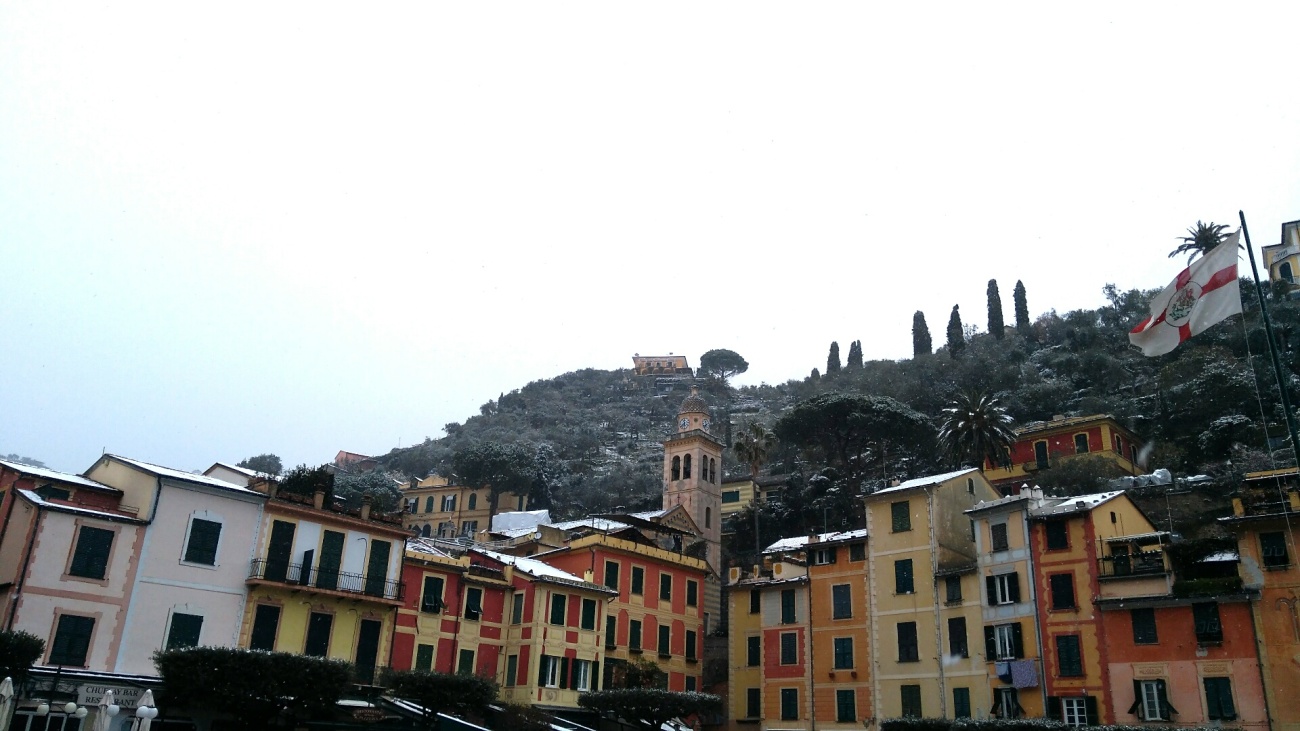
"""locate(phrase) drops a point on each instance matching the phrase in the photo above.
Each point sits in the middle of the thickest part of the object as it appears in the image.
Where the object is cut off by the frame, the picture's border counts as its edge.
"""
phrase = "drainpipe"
(812, 670)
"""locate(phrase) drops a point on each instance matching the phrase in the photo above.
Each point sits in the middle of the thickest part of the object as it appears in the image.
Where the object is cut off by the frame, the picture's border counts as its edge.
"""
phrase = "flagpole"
(1272, 346)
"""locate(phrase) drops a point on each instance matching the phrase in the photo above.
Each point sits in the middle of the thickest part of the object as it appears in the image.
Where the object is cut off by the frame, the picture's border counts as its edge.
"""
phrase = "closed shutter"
(564, 672)
(1017, 641)
(1090, 708)
(991, 584)
(184, 631)
(265, 622)
(204, 536)
(595, 676)
(1013, 586)
(1054, 710)
(542, 663)
(990, 643)
(377, 568)
(90, 560)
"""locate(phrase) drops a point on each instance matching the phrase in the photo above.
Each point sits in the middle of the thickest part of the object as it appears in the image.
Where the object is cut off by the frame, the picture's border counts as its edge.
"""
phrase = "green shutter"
(90, 559)
(184, 631)
(202, 547)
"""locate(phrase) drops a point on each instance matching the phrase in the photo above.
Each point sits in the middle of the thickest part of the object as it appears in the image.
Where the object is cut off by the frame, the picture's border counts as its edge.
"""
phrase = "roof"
(542, 570)
(983, 505)
(48, 474)
(1069, 421)
(1069, 505)
(600, 524)
(424, 545)
(172, 474)
(930, 481)
(79, 510)
(799, 543)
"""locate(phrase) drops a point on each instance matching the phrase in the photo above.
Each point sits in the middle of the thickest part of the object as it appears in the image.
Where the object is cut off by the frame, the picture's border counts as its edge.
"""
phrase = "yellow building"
(1282, 260)
(924, 597)
(324, 581)
(1045, 444)
(1266, 521)
(436, 508)
(745, 648)
(738, 494)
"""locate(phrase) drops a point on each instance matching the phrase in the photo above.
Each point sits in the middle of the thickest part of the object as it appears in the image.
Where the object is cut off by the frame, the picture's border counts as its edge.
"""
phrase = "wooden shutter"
(990, 643)
(90, 559)
(377, 568)
(595, 675)
(991, 584)
(1054, 710)
(1013, 586)
(184, 631)
(1090, 708)
(1166, 710)
(1136, 708)
(1017, 641)
(204, 536)
(564, 672)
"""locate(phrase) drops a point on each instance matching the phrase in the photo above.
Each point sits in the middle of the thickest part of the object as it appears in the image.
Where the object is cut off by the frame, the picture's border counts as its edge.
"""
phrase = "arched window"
(677, 468)
(713, 470)
(1284, 271)
(425, 531)
(708, 517)
(473, 501)
(686, 467)
(428, 504)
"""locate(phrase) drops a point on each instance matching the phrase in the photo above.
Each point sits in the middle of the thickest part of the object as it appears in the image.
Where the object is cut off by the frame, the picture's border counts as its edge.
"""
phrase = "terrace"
(326, 580)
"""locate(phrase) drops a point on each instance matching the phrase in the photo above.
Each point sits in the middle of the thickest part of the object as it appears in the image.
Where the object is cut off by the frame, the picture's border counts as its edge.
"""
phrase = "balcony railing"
(1145, 563)
(296, 574)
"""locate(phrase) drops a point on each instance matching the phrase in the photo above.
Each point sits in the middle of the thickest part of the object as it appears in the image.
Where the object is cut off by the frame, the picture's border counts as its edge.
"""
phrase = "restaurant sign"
(125, 696)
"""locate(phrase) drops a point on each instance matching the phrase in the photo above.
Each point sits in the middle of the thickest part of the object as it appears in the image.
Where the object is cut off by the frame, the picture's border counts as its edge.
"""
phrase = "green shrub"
(18, 650)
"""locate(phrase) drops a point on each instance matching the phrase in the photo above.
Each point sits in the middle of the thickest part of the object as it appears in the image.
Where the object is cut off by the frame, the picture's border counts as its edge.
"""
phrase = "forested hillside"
(589, 441)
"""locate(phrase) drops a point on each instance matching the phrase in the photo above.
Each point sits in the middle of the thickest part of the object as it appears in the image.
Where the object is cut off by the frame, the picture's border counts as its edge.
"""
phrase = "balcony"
(326, 580)
(1143, 563)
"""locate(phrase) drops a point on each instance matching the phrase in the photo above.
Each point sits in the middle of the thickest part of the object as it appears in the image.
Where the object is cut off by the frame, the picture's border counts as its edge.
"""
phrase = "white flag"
(1200, 296)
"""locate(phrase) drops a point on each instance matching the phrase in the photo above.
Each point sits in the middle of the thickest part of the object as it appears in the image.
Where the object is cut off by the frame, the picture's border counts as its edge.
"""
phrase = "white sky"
(299, 228)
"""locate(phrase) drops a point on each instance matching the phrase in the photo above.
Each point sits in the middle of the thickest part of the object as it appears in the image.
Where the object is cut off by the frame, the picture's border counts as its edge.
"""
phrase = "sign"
(125, 696)
(369, 715)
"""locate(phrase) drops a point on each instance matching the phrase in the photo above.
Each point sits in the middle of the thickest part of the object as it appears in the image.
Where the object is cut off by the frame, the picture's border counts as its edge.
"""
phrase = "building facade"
(1045, 444)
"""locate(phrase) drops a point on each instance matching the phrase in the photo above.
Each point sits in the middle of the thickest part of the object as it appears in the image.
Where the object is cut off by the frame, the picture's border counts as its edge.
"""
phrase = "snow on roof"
(56, 475)
(541, 569)
(600, 524)
(649, 514)
(1221, 556)
(926, 481)
(797, 543)
(515, 532)
(1079, 503)
(79, 510)
(424, 545)
(518, 519)
(170, 473)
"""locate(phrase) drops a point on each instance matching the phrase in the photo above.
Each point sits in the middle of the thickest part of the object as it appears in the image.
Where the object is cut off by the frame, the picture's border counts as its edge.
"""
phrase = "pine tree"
(956, 334)
(995, 310)
(1022, 308)
(833, 360)
(921, 344)
(816, 374)
(855, 356)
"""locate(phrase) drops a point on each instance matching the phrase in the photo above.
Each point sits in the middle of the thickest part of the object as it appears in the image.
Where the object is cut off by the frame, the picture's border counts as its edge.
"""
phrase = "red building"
(1042, 445)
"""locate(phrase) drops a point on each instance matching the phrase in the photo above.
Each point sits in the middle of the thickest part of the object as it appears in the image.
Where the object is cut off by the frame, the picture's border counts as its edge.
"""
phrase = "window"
(549, 672)
(582, 674)
(787, 606)
(1074, 711)
(517, 608)
(1069, 658)
(1062, 591)
(558, 608)
(755, 601)
(431, 598)
(469, 527)
(789, 648)
(972, 530)
(841, 602)
(448, 503)
(846, 708)
(1144, 626)
(611, 632)
(753, 703)
(730, 496)
(1080, 443)
(90, 559)
(911, 698)
(318, 634)
(903, 577)
(512, 670)
(823, 556)
(1058, 535)
(184, 631)
(638, 580)
(677, 468)
(1151, 701)
(1218, 699)
(202, 545)
(843, 653)
(1004, 588)
(71, 640)
(473, 501)
(634, 635)
(266, 621)
(970, 485)
(473, 602)
(465, 662)
(611, 575)
(907, 649)
(708, 517)
(665, 586)
(588, 614)
(1003, 642)
(1272, 548)
(691, 641)
(1040, 455)
(1006, 703)
(957, 645)
(428, 504)
(753, 651)
(789, 704)
(424, 657)
(952, 589)
(664, 638)
(961, 702)
(999, 533)
(901, 517)
(1208, 628)
(857, 552)
(692, 593)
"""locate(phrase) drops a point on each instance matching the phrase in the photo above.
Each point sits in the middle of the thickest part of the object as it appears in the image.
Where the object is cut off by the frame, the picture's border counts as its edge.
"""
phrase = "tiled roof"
(926, 481)
(798, 543)
(170, 473)
(56, 475)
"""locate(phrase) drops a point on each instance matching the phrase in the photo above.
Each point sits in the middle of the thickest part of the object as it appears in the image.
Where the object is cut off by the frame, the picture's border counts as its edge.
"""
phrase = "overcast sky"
(228, 229)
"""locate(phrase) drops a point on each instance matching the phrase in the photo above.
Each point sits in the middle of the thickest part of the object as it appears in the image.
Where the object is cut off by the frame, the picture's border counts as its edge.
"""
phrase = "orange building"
(1044, 444)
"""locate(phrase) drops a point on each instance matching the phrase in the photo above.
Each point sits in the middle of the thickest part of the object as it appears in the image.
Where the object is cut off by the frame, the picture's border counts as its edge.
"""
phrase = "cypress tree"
(833, 360)
(995, 310)
(815, 374)
(921, 344)
(855, 356)
(1022, 308)
(956, 334)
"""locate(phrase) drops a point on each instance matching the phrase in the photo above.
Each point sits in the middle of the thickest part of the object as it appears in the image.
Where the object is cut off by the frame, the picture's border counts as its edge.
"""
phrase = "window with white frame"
(1151, 701)
(1006, 703)
(823, 556)
(1074, 711)
(550, 671)
(448, 503)
(1004, 588)
(582, 675)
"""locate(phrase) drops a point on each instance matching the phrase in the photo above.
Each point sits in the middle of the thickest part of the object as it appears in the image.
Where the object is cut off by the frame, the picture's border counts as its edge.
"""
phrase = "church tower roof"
(693, 404)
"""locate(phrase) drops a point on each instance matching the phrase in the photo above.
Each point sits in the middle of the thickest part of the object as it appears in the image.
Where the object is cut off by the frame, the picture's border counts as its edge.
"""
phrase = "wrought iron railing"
(1144, 563)
(297, 574)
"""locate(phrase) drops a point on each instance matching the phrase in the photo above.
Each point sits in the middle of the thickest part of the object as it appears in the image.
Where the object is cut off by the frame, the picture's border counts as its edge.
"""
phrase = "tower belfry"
(692, 473)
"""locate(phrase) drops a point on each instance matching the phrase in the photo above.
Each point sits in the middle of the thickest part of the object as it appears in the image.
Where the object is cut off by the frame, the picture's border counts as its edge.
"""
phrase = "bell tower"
(692, 473)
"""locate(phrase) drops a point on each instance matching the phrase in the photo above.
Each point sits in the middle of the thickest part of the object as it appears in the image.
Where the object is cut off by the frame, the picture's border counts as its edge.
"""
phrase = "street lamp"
(69, 709)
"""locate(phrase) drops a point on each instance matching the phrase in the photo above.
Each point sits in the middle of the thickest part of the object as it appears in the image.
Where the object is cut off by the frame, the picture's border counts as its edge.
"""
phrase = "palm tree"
(975, 427)
(752, 448)
(1204, 236)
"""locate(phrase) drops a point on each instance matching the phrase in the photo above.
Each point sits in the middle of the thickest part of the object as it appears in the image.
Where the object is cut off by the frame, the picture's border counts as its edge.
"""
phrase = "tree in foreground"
(752, 449)
(258, 689)
(18, 650)
(1202, 237)
(833, 359)
(267, 464)
(458, 694)
(651, 708)
(995, 310)
(723, 364)
(1022, 308)
(921, 343)
(975, 428)
(956, 333)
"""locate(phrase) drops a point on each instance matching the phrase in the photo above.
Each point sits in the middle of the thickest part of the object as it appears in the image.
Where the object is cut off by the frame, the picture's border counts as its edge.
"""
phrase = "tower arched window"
(1285, 272)
(713, 470)
(708, 517)
(473, 501)
(677, 468)
(686, 467)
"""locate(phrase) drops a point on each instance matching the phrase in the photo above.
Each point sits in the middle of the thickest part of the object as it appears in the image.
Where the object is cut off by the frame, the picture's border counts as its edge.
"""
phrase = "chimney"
(1025, 491)
(1037, 492)
(366, 501)
(318, 499)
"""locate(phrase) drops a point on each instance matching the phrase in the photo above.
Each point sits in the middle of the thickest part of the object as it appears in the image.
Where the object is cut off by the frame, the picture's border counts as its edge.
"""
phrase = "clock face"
(705, 424)
(685, 423)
